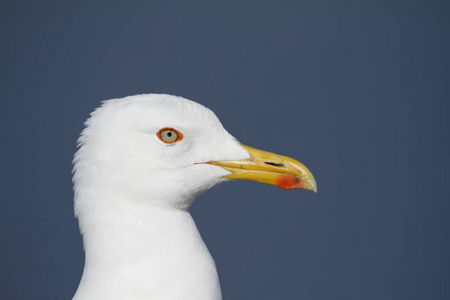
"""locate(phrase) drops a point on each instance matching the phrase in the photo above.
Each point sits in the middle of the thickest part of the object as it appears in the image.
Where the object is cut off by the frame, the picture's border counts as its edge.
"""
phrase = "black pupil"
(169, 134)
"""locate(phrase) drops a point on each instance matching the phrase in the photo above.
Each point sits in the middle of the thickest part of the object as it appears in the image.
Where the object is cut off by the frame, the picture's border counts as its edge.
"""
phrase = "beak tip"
(309, 184)
(314, 187)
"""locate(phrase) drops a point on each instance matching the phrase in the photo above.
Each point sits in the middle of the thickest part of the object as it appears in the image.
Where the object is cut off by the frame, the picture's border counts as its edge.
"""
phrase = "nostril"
(274, 164)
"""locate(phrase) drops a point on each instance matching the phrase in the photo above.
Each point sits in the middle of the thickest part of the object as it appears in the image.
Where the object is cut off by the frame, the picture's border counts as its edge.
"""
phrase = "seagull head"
(165, 150)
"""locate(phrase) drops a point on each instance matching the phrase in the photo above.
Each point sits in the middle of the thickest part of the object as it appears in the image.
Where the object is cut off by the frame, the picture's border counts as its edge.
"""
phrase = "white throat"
(136, 253)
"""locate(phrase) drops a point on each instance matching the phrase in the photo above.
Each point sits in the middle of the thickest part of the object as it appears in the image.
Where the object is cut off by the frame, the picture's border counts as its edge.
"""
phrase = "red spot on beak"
(289, 182)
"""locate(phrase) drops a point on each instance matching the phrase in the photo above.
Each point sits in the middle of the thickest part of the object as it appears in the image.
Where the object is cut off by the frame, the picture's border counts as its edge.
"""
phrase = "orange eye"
(169, 135)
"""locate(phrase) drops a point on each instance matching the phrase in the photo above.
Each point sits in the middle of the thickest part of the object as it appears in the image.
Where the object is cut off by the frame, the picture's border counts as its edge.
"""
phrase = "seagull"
(141, 162)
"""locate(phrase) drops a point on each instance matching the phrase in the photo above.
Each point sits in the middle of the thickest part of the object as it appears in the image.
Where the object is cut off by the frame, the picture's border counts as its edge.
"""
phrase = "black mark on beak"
(274, 164)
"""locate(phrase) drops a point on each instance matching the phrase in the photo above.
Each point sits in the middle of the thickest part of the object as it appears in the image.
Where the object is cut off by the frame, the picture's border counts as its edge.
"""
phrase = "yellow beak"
(270, 168)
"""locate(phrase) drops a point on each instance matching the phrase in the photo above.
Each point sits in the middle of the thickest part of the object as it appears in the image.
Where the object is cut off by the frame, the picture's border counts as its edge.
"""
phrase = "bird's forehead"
(187, 115)
(162, 110)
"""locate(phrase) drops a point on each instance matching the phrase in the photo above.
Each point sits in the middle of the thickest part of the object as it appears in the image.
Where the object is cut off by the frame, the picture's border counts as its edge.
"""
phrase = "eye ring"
(169, 135)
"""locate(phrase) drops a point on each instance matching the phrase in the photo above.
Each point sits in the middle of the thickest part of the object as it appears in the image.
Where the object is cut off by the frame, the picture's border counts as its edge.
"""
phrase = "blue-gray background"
(358, 91)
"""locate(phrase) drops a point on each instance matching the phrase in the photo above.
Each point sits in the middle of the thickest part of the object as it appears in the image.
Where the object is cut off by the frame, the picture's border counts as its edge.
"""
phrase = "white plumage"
(133, 192)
